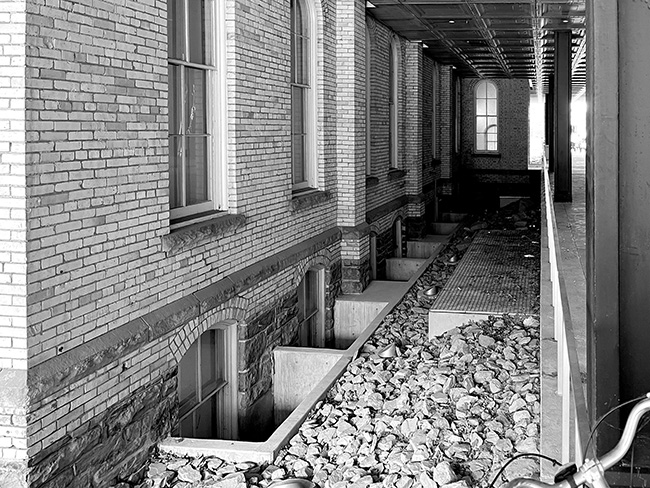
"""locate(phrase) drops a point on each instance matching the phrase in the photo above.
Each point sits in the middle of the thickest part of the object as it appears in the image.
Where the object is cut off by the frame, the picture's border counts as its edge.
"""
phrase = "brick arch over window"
(232, 312)
(206, 352)
(322, 259)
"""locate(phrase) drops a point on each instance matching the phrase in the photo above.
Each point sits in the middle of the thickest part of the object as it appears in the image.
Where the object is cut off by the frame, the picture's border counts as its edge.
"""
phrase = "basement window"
(311, 306)
(486, 117)
(206, 387)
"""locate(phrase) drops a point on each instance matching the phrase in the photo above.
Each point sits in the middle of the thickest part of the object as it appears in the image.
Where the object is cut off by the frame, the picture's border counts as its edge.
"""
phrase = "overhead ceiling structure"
(492, 38)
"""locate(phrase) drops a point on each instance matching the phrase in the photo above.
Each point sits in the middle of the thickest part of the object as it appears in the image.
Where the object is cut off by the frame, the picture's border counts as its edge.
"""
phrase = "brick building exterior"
(506, 171)
(105, 290)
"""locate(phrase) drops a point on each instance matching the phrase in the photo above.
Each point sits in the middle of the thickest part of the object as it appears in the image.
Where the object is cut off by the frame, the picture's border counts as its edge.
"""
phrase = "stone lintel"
(357, 232)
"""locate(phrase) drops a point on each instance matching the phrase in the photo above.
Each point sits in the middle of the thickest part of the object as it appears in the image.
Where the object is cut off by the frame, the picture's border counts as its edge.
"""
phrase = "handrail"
(570, 387)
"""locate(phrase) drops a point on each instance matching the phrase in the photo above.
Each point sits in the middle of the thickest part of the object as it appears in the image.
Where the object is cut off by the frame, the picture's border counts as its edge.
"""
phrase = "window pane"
(298, 24)
(297, 110)
(299, 44)
(304, 59)
(196, 170)
(491, 90)
(480, 125)
(205, 419)
(491, 107)
(481, 107)
(174, 99)
(208, 363)
(175, 176)
(187, 378)
(481, 90)
(196, 27)
(492, 122)
(492, 146)
(480, 142)
(391, 76)
(187, 427)
(298, 158)
(311, 292)
(175, 29)
(195, 112)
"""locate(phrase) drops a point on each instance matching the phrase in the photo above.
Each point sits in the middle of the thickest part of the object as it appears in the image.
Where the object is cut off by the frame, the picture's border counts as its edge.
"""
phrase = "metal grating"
(498, 274)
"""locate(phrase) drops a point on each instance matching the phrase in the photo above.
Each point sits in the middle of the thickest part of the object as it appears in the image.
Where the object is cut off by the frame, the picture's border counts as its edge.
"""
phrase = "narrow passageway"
(411, 411)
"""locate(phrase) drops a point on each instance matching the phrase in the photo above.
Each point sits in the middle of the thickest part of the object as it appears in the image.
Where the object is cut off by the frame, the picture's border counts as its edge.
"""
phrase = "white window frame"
(216, 112)
(368, 102)
(310, 107)
(457, 115)
(486, 117)
(434, 121)
(373, 256)
(398, 236)
(317, 334)
(229, 420)
(393, 103)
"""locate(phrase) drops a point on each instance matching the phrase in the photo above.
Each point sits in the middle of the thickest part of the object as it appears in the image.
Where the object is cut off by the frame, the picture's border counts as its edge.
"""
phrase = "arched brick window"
(303, 97)
(486, 97)
(393, 102)
(197, 114)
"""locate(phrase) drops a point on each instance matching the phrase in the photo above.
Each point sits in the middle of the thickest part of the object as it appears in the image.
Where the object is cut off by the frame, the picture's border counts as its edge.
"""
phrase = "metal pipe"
(616, 454)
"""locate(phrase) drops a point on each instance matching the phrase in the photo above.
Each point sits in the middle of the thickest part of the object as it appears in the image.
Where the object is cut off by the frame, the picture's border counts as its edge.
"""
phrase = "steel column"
(602, 218)
(562, 116)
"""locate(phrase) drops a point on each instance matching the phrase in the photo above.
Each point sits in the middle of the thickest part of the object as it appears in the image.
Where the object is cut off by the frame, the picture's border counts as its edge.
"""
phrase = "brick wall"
(513, 103)
(351, 142)
(387, 189)
(13, 245)
(115, 294)
(446, 121)
(102, 254)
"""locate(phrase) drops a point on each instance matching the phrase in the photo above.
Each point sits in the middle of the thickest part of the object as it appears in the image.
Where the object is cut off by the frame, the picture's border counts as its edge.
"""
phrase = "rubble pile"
(447, 412)
(462, 404)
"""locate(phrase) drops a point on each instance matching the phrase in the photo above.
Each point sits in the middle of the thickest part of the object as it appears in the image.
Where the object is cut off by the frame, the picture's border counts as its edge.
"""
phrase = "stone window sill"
(187, 233)
(308, 198)
(396, 174)
(371, 181)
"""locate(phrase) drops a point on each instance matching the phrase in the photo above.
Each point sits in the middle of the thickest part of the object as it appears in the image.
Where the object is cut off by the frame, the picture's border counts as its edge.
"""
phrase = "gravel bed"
(447, 412)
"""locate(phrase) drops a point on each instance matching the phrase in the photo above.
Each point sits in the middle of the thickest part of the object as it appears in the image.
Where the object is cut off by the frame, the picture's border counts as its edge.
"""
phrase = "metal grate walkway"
(497, 275)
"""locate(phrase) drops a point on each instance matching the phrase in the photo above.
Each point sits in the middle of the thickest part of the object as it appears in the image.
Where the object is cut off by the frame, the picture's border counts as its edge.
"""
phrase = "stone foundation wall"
(112, 446)
(276, 325)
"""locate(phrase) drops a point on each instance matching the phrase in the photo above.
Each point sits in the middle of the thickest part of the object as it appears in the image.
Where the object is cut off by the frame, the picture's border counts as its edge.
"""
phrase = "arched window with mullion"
(393, 103)
(486, 97)
(301, 95)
